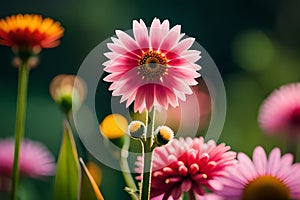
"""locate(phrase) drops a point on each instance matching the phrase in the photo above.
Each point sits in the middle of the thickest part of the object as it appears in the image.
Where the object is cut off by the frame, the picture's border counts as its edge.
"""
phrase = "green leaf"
(89, 189)
(67, 172)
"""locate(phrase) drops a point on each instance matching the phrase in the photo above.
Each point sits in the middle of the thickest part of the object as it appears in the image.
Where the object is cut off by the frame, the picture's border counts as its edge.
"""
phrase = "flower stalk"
(20, 122)
(147, 155)
(125, 170)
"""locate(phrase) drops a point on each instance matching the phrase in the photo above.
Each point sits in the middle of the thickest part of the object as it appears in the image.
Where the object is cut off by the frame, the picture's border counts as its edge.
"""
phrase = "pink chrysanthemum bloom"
(280, 112)
(35, 160)
(210, 196)
(154, 68)
(273, 178)
(188, 165)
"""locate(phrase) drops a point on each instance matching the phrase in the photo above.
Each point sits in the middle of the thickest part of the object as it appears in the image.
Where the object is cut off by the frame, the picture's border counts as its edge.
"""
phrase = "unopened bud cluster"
(162, 135)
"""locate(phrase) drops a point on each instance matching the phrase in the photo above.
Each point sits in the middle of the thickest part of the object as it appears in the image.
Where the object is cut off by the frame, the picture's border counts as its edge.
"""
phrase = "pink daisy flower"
(154, 68)
(187, 165)
(35, 160)
(280, 112)
(273, 178)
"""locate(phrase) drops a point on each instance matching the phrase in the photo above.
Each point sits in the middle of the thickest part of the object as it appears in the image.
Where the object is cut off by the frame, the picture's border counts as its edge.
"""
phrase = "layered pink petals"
(280, 167)
(280, 112)
(35, 159)
(188, 165)
(160, 90)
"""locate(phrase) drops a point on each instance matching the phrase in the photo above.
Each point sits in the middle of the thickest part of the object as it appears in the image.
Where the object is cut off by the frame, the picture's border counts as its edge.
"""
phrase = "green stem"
(147, 154)
(80, 146)
(125, 169)
(20, 124)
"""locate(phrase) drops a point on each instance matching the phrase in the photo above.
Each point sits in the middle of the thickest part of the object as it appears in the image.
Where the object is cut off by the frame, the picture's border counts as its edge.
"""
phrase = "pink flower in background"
(154, 68)
(188, 165)
(197, 106)
(273, 178)
(35, 159)
(280, 112)
(210, 197)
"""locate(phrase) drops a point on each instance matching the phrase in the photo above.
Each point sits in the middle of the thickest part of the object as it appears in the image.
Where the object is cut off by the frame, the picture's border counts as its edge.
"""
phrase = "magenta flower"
(188, 165)
(35, 160)
(280, 112)
(273, 178)
(153, 69)
(210, 196)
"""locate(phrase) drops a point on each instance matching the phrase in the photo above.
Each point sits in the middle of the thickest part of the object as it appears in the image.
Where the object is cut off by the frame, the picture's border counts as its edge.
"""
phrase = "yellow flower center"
(152, 65)
(266, 188)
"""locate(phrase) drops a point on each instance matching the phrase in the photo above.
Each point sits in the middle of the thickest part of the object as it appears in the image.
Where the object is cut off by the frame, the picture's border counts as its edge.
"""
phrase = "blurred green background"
(255, 45)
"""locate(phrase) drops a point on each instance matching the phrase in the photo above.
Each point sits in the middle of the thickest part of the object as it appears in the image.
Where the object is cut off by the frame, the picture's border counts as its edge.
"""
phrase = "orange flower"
(29, 31)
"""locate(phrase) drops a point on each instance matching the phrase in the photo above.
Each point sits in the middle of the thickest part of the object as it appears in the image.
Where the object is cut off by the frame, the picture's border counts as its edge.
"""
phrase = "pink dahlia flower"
(154, 68)
(280, 112)
(273, 178)
(35, 159)
(188, 165)
(203, 197)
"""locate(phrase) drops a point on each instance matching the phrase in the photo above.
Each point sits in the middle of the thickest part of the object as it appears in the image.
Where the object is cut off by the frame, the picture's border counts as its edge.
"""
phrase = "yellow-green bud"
(163, 135)
(65, 102)
(68, 91)
(136, 129)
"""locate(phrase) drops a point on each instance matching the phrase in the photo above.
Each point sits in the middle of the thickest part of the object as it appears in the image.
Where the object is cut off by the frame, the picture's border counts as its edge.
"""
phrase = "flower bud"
(163, 135)
(136, 129)
(68, 91)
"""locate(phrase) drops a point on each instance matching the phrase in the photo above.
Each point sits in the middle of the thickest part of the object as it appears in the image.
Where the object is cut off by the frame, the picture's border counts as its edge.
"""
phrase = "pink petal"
(170, 39)
(215, 185)
(113, 77)
(273, 162)
(198, 189)
(165, 26)
(176, 193)
(285, 163)
(139, 104)
(260, 160)
(131, 98)
(150, 91)
(160, 96)
(140, 33)
(173, 100)
(155, 34)
(183, 45)
(188, 75)
(111, 55)
(174, 83)
(191, 56)
(246, 166)
(118, 68)
(186, 185)
(117, 48)
(127, 41)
